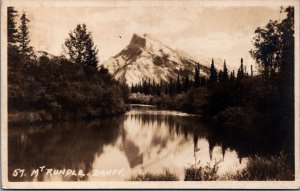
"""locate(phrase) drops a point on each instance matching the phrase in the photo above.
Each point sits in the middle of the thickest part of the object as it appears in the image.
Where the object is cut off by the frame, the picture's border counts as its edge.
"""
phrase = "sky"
(209, 31)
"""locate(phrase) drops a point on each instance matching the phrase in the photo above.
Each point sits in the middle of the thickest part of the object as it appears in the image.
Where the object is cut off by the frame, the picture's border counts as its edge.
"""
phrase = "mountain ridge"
(145, 57)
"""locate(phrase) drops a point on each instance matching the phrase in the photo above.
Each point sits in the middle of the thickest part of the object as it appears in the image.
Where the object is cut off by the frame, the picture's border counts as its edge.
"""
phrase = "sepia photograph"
(149, 94)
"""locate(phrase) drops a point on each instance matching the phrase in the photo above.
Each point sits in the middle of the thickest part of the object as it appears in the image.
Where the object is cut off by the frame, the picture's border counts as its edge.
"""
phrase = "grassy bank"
(259, 168)
(274, 168)
(29, 117)
(42, 116)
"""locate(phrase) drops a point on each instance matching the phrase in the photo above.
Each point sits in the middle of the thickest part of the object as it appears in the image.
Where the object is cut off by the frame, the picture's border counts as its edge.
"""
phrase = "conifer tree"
(81, 49)
(220, 76)
(240, 73)
(25, 50)
(12, 32)
(225, 72)
(186, 83)
(161, 87)
(197, 76)
(12, 37)
(213, 73)
(171, 88)
(203, 81)
(178, 85)
(232, 76)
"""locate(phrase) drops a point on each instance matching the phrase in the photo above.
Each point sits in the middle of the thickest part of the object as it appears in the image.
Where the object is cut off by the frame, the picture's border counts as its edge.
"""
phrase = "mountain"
(147, 58)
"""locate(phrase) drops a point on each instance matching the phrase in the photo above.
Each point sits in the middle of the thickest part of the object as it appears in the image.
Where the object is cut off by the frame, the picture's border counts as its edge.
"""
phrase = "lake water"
(145, 139)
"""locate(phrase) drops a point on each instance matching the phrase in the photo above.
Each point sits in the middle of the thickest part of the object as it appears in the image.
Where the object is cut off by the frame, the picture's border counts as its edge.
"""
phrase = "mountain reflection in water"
(144, 139)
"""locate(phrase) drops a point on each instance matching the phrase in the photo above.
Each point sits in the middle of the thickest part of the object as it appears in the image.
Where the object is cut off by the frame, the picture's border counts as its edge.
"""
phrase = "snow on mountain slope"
(147, 58)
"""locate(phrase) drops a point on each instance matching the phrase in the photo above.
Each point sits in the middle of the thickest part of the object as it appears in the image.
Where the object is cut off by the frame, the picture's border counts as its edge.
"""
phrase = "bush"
(266, 168)
(206, 173)
(64, 90)
(240, 118)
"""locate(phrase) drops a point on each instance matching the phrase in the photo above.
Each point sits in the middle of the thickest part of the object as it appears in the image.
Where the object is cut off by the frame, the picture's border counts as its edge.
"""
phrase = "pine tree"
(12, 37)
(186, 83)
(81, 49)
(203, 81)
(12, 32)
(139, 87)
(220, 76)
(161, 87)
(133, 88)
(251, 71)
(232, 76)
(178, 85)
(240, 73)
(225, 72)
(213, 73)
(197, 76)
(25, 50)
(171, 88)
(149, 86)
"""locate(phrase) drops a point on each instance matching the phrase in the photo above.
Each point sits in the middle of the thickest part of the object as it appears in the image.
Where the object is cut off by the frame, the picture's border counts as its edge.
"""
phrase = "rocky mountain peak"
(137, 41)
(146, 58)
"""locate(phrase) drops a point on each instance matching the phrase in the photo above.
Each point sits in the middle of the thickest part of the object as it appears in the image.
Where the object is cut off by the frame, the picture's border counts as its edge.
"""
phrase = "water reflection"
(143, 139)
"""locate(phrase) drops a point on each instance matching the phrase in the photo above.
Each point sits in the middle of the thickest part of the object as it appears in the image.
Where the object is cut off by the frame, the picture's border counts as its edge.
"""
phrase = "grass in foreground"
(265, 168)
(259, 168)
(206, 173)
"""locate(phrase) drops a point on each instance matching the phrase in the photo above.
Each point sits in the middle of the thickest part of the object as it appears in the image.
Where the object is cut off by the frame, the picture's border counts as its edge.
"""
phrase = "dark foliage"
(11, 25)
(59, 87)
(81, 49)
(213, 73)
(25, 51)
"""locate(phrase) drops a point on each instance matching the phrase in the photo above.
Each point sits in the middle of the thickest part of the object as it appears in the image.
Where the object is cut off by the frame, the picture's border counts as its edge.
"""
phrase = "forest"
(65, 87)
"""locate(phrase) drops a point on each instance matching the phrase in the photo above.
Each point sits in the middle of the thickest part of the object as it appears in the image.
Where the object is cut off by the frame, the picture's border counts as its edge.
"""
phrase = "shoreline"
(23, 118)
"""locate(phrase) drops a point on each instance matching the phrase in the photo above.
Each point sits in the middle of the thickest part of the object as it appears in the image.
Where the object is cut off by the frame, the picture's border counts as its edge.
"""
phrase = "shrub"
(206, 173)
(265, 168)
(58, 87)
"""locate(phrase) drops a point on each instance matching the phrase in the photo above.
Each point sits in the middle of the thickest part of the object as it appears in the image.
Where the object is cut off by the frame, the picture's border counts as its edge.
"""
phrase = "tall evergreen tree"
(161, 87)
(213, 72)
(178, 85)
(81, 48)
(186, 83)
(232, 76)
(12, 37)
(171, 88)
(220, 76)
(12, 32)
(241, 72)
(25, 50)
(225, 72)
(197, 76)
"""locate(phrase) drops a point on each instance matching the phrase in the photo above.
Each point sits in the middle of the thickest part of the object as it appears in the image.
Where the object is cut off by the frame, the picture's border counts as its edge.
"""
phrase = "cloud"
(224, 32)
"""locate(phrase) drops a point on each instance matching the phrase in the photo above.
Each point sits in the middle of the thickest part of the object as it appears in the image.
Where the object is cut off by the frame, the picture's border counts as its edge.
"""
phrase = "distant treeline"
(150, 87)
(70, 86)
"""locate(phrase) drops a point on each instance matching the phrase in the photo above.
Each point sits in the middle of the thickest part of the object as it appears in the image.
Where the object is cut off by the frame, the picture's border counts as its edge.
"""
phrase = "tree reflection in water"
(144, 139)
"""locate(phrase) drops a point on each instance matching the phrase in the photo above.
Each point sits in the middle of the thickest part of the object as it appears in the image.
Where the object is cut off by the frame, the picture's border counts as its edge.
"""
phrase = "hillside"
(148, 58)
